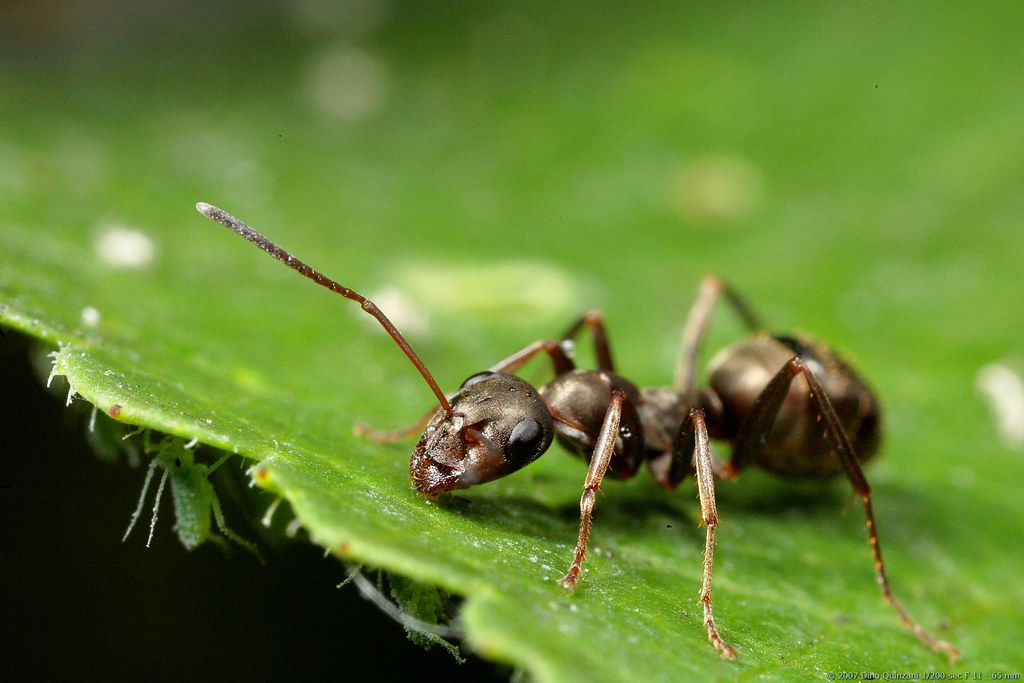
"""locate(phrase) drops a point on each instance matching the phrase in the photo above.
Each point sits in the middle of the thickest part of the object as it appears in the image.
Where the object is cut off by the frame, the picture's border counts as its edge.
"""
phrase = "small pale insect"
(196, 505)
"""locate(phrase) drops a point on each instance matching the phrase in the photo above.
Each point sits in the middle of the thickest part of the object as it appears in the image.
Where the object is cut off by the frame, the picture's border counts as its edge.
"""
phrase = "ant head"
(497, 424)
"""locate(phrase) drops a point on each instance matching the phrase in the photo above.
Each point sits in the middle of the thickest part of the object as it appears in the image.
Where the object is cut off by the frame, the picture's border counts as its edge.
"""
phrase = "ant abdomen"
(797, 445)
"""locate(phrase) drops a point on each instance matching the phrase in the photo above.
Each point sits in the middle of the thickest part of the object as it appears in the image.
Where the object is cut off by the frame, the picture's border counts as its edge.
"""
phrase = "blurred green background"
(855, 170)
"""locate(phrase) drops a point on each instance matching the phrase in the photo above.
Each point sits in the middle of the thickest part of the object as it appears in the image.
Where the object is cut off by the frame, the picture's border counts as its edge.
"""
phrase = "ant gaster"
(824, 425)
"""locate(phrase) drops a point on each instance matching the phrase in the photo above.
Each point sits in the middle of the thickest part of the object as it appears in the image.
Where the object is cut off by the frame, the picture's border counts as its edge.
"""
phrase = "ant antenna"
(229, 221)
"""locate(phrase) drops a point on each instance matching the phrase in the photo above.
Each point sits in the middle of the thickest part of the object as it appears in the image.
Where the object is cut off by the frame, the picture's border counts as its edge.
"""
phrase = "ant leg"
(693, 336)
(604, 449)
(602, 348)
(693, 447)
(697, 323)
(750, 443)
(758, 423)
(365, 431)
(839, 440)
(562, 364)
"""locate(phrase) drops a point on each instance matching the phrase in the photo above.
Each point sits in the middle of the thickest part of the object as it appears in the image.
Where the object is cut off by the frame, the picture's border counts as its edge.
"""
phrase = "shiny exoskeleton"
(785, 404)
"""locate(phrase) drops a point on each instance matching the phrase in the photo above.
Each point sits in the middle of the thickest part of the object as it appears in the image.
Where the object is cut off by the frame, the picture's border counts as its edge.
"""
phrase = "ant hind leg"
(750, 443)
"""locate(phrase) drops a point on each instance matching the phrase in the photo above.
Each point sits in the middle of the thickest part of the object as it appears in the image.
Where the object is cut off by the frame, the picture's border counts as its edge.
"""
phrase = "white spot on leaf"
(1003, 388)
(123, 247)
(90, 317)
(347, 84)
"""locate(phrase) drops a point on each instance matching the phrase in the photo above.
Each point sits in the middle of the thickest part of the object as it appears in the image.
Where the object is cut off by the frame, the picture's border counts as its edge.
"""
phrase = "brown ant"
(497, 423)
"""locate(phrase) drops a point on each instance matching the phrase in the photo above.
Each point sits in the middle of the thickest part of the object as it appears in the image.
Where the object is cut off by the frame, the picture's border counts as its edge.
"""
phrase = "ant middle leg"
(697, 323)
(693, 447)
(749, 445)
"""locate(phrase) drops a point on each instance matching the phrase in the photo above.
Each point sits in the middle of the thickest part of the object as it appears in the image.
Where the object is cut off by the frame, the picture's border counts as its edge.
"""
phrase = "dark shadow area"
(80, 604)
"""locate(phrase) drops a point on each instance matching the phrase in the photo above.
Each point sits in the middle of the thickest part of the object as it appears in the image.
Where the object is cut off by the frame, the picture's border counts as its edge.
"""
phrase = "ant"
(497, 423)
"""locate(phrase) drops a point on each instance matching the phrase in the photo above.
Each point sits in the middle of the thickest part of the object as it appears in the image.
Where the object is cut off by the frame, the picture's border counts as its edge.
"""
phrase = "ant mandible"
(497, 423)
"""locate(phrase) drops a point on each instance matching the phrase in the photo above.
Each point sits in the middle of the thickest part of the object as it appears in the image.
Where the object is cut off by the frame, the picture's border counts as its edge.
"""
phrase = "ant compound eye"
(525, 441)
(478, 377)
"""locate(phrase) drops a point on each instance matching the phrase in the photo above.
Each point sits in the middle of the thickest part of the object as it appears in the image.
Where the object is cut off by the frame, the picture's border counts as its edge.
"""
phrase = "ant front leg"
(620, 412)
(693, 446)
(560, 361)
(602, 348)
(750, 443)
(364, 430)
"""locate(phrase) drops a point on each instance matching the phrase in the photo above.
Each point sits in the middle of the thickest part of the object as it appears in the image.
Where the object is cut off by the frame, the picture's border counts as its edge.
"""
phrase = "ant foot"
(725, 649)
(569, 581)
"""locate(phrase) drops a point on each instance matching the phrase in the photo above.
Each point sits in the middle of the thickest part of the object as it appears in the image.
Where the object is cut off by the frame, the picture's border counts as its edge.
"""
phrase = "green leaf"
(856, 175)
